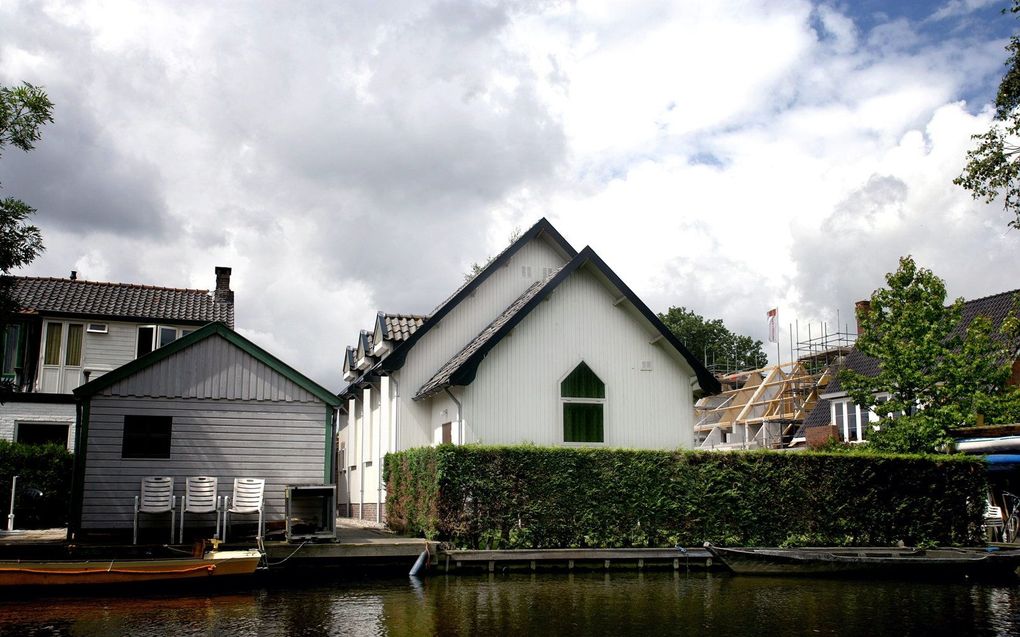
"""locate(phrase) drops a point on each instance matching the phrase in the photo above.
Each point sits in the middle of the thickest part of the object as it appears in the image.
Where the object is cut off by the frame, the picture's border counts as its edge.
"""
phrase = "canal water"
(619, 603)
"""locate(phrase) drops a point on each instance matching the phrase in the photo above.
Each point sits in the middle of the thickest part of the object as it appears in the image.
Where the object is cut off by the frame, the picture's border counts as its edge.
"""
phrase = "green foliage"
(23, 111)
(43, 467)
(993, 167)
(712, 342)
(536, 497)
(934, 372)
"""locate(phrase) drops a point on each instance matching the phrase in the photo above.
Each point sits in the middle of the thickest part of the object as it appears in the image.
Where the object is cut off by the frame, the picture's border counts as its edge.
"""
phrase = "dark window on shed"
(146, 437)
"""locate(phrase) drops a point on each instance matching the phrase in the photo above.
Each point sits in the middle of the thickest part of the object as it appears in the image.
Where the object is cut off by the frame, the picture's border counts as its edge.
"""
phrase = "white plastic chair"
(993, 522)
(248, 498)
(200, 497)
(157, 497)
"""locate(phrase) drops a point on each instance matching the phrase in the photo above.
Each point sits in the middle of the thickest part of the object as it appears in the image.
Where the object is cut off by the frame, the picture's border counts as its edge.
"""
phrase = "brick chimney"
(861, 308)
(223, 293)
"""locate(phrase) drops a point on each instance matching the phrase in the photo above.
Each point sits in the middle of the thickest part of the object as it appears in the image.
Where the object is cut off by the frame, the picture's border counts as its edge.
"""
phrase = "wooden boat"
(893, 562)
(68, 573)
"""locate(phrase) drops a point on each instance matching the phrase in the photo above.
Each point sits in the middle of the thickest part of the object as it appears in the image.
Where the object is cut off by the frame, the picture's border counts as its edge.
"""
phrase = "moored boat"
(129, 571)
(894, 562)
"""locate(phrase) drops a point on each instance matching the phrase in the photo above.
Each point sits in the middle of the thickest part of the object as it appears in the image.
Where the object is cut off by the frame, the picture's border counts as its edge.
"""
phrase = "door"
(63, 344)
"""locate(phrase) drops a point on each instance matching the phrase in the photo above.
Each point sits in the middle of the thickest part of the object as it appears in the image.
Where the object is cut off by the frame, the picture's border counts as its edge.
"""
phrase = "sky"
(354, 157)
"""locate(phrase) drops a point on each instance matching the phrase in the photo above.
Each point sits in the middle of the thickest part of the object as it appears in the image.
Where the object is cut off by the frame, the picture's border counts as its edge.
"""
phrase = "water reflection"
(592, 603)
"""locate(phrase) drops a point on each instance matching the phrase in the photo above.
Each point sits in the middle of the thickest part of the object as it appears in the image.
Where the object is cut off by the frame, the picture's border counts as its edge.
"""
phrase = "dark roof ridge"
(395, 359)
(139, 286)
(991, 296)
(462, 372)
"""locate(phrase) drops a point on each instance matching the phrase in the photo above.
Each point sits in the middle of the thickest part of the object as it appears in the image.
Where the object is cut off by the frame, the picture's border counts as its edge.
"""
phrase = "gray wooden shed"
(211, 403)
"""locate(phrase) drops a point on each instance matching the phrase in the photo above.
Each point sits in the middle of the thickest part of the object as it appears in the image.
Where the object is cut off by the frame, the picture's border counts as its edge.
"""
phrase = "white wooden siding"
(104, 352)
(283, 442)
(211, 368)
(459, 327)
(515, 395)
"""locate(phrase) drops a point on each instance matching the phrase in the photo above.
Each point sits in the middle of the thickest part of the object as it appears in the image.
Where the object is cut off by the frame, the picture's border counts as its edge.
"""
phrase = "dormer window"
(583, 401)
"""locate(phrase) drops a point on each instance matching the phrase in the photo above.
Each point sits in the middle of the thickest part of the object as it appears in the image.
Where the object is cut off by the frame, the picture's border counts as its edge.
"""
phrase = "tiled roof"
(441, 378)
(995, 307)
(120, 300)
(400, 326)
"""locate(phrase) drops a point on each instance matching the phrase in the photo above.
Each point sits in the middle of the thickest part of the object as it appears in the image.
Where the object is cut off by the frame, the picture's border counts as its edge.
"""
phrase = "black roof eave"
(395, 359)
(465, 373)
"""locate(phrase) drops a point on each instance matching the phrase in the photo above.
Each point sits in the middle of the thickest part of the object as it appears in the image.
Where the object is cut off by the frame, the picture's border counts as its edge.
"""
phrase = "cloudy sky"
(349, 157)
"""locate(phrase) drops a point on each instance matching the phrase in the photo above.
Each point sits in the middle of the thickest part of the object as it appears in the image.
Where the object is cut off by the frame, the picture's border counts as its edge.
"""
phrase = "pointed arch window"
(583, 399)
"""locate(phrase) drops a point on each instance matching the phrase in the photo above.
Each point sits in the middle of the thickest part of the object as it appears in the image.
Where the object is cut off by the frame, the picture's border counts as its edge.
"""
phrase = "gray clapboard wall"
(233, 417)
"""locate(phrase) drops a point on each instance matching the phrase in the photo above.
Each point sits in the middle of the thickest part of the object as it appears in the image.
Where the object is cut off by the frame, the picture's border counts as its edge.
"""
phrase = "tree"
(712, 342)
(935, 371)
(23, 111)
(993, 167)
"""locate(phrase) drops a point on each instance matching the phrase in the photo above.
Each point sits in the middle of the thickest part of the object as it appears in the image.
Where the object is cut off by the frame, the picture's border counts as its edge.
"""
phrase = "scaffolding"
(764, 408)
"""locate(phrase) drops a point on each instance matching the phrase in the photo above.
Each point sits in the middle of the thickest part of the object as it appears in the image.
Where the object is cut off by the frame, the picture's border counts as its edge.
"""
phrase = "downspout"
(396, 412)
(460, 416)
(383, 404)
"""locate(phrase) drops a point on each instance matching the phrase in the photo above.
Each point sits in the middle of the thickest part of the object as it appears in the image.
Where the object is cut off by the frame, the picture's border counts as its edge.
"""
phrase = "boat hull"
(97, 572)
(870, 561)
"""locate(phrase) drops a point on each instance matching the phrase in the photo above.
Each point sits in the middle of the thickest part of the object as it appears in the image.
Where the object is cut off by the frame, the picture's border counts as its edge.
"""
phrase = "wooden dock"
(570, 559)
(367, 549)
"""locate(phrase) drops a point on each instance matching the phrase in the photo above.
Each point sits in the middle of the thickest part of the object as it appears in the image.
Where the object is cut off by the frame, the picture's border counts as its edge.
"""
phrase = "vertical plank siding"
(459, 327)
(515, 395)
(212, 368)
(281, 442)
(233, 417)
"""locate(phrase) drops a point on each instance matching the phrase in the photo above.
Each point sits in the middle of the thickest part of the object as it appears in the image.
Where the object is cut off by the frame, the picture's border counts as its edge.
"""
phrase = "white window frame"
(563, 400)
(180, 332)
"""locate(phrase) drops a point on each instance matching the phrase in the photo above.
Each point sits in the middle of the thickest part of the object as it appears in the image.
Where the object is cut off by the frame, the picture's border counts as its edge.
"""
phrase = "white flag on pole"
(773, 316)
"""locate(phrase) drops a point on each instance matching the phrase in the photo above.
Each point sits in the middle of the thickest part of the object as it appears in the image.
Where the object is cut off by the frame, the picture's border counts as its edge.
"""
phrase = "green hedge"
(45, 468)
(533, 497)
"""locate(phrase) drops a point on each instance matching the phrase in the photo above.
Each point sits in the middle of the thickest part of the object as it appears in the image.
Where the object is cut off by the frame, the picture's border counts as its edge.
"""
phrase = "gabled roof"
(49, 295)
(398, 327)
(995, 307)
(395, 359)
(212, 329)
(461, 369)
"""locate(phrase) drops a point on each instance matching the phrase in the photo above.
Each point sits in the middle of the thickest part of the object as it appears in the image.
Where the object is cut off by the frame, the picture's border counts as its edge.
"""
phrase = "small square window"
(98, 328)
(146, 437)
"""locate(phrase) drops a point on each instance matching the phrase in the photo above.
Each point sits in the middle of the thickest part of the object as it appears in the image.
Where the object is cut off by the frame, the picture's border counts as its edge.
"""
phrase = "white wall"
(460, 327)
(515, 395)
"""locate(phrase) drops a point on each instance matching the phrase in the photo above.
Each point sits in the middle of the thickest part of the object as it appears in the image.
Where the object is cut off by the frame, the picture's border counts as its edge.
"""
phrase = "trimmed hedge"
(534, 497)
(45, 468)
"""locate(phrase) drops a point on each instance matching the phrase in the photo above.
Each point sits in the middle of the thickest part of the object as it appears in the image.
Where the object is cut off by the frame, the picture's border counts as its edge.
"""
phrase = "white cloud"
(359, 157)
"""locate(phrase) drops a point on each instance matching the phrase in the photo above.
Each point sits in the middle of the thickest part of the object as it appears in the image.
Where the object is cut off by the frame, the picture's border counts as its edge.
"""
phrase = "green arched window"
(583, 395)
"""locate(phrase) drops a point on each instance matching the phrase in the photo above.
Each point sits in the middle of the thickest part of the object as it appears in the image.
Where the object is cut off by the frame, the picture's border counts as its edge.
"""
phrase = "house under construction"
(763, 408)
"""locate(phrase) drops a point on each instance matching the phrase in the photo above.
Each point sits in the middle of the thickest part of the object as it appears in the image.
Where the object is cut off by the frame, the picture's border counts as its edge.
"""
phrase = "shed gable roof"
(211, 330)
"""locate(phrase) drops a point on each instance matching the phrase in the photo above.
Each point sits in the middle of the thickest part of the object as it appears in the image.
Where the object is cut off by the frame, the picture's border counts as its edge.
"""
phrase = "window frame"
(140, 439)
(565, 400)
(156, 339)
(20, 424)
